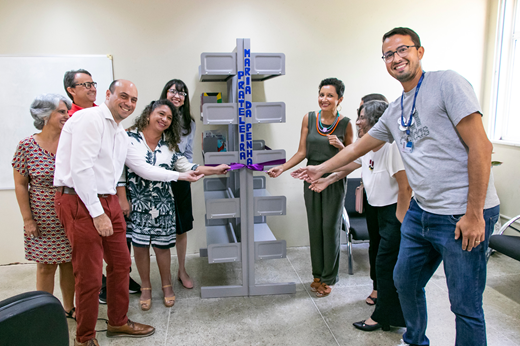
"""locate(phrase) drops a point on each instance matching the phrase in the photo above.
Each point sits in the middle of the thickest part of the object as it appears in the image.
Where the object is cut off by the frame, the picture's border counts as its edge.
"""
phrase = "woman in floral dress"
(155, 136)
(33, 167)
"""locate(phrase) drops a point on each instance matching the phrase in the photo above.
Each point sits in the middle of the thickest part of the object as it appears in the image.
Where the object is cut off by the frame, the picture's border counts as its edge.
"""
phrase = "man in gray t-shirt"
(447, 156)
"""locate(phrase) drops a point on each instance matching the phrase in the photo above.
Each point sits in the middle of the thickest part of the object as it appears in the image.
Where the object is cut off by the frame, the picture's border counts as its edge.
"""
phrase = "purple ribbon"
(253, 167)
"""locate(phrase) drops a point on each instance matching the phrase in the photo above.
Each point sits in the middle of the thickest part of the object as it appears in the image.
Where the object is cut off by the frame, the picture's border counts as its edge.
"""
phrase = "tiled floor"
(297, 319)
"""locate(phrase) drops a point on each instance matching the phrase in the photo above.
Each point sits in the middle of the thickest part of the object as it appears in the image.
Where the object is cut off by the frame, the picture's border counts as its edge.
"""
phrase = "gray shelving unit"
(237, 206)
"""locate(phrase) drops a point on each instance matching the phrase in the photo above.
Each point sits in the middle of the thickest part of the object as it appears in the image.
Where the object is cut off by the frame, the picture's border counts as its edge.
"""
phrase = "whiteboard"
(24, 78)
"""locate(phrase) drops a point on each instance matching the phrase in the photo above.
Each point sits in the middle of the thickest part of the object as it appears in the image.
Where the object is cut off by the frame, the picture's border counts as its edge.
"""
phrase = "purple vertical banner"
(245, 126)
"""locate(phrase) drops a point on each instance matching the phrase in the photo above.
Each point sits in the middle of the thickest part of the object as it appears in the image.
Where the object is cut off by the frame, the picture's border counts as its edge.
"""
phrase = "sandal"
(169, 301)
(147, 303)
(70, 314)
(374, 301)
(315, 284)
(324, 290)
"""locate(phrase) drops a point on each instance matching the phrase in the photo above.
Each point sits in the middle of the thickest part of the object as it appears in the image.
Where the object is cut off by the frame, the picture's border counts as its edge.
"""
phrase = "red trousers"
(88, 251)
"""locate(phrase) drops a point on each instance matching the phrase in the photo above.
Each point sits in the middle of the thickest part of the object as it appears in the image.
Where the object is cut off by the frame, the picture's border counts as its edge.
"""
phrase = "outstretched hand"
(311, 172)
(301, 174)
(275, 171)
(319, 185)
(221, 169)
(191, 176)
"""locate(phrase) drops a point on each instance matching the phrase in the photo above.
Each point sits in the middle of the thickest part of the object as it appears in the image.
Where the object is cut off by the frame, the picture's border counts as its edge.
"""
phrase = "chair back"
(33, 318)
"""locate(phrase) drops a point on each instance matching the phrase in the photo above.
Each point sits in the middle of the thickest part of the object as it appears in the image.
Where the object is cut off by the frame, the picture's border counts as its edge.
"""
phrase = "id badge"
(407, 147)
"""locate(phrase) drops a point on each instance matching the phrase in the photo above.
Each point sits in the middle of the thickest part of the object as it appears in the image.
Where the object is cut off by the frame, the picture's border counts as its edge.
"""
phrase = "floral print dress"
(152, 217)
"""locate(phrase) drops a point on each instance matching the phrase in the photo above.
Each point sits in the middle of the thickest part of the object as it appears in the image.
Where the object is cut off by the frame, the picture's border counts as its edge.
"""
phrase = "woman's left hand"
(221, 169)
(125, 206)
(335, 142)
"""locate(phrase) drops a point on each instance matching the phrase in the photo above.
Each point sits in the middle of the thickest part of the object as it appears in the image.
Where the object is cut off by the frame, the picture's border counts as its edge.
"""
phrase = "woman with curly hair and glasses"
(155, 137)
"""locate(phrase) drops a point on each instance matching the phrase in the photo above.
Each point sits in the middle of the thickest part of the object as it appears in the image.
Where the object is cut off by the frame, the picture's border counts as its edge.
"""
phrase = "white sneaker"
(403, 343)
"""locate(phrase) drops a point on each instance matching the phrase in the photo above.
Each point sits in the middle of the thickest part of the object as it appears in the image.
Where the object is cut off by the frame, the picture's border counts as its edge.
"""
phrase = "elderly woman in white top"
(388, 195)
(151, 217)
(177, 92)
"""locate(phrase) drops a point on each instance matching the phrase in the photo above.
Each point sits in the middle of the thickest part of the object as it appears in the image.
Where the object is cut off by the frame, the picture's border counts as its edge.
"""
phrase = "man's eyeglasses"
(176, 92)
(402, 51)
(87, 85)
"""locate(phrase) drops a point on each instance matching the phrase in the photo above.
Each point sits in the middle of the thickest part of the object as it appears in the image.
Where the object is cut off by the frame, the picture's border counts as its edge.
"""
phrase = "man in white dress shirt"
(92, 151)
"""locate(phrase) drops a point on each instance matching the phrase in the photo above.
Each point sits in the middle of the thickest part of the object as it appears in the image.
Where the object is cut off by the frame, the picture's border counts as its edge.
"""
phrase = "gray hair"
(373, 111)
(44, 105)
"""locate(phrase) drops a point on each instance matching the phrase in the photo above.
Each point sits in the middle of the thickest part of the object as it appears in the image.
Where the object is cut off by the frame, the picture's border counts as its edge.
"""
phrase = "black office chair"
(507, 244)
(33, 319)
(358, 229)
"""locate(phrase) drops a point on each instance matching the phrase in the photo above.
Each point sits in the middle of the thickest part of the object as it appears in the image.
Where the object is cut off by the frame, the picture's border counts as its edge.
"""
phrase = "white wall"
(156, 40)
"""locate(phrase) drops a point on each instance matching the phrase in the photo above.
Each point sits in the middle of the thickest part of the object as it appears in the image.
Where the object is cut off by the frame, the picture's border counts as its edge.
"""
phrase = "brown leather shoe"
(91, 342)
(130, 329)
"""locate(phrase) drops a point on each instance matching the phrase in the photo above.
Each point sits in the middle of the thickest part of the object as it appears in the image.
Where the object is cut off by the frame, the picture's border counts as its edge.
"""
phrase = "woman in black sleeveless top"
(323, 135)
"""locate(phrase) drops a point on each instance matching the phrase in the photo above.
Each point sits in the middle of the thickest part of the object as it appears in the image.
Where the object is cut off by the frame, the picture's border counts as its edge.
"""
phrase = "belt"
(70, 191)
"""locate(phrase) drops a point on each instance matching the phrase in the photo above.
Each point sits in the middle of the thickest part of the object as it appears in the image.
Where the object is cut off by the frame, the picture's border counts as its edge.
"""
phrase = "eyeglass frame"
(177, 92)
(92, 84)
(384, 57)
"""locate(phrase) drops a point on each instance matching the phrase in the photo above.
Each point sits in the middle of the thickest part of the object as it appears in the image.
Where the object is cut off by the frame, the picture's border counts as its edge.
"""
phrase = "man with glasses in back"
(82, 90)
(437, 125)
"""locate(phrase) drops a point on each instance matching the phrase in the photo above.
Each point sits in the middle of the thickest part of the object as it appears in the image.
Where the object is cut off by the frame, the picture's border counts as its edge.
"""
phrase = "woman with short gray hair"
(33, 168)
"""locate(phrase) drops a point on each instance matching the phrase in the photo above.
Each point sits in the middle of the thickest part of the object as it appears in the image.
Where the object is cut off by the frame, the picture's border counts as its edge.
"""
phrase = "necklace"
(326, 130)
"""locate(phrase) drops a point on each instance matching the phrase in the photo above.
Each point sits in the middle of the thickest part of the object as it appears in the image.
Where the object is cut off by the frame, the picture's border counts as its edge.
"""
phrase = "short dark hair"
(112, 86)
(69, 78)
(172, 133)
(340, 87)
(184, 110)
(405, 32)
(373, 111)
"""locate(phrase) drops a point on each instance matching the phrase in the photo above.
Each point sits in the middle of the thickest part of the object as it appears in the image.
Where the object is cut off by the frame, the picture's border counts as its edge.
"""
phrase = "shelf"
(266, 205)
(219, 67)
(222, 245)
(237, 229)
(266, 245)
(267, 156)
(220, 202)
(265, 66)
(217, 158)
(227, 113)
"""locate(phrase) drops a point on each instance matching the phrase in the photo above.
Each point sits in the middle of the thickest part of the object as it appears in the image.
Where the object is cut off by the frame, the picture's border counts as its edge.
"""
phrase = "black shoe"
(103, 295)
(370, 327)
(134, 287)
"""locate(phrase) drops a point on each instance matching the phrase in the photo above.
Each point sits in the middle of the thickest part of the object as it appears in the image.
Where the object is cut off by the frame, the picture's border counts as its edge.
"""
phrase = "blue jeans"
(426, 240)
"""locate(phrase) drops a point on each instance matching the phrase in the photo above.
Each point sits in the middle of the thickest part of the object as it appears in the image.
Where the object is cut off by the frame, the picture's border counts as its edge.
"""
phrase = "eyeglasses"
(176, 92)
(87, 85)
(402, 51)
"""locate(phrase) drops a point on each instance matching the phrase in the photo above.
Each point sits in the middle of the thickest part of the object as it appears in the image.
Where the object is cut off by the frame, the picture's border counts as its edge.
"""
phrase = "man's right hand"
(312, 172)
(103, 225)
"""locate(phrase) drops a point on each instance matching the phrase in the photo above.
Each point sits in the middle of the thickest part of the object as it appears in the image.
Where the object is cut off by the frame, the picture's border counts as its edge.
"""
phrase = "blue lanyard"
(407, 126)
